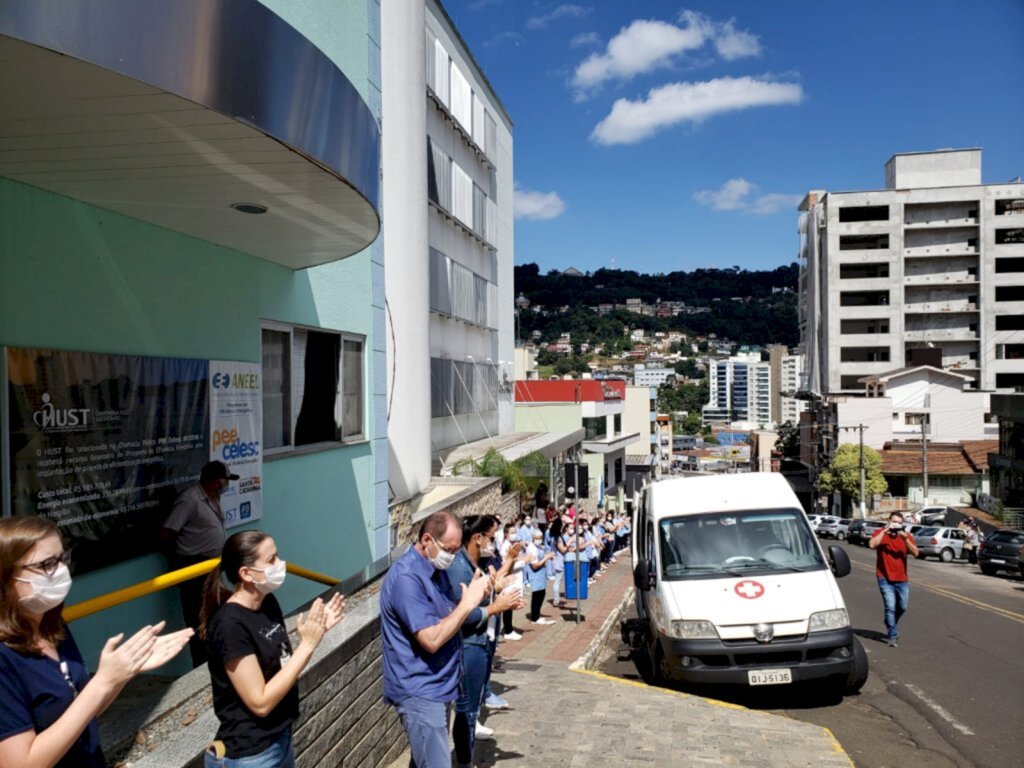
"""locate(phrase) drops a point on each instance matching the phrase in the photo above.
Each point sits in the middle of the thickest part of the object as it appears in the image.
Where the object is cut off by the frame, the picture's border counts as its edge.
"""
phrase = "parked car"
(1000, 551)
(943, 543)
(861, 531)
(934, 516)
(814, 520)
(825, 522)
(833, 527)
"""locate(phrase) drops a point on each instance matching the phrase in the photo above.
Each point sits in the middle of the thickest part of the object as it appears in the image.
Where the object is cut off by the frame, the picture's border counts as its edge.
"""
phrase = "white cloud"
(730, 196)
(741, 195)
(562, 11)
(732, 43)
(632, 121)
(585, 39)
(643, 46)
(539, 206)
(648, 44)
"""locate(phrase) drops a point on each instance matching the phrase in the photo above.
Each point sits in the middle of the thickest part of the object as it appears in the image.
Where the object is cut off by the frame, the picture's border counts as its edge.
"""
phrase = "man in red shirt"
(892, 544)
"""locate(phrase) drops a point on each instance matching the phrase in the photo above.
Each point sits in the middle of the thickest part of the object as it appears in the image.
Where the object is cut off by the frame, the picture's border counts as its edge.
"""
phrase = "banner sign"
(102, 444)
(236, 433)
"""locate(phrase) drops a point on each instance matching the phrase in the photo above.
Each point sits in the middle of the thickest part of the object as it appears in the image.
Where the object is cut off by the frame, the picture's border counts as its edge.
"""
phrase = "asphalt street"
(952, 693)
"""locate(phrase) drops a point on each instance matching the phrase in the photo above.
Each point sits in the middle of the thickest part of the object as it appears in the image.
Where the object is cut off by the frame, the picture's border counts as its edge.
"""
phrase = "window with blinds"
(313, 387)
(461, 103)
(457, 291)
(460, 387)
(462, 195)
(439, 175)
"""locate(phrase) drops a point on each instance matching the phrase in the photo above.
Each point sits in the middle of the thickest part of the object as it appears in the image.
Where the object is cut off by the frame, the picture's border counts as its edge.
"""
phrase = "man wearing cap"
(193, 532)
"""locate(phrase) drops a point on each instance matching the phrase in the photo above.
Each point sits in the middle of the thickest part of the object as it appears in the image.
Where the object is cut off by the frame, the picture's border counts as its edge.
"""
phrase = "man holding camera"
(892, 544)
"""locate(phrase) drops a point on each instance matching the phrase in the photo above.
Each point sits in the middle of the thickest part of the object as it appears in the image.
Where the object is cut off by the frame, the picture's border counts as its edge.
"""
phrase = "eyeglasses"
(446, 549)
(50, 565)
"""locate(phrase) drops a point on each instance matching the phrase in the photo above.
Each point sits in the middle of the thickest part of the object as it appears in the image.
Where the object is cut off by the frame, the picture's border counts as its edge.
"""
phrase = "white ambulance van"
(733, 587)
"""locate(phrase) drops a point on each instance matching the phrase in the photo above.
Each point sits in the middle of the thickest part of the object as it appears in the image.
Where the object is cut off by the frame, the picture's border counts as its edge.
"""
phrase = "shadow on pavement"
(871, 634)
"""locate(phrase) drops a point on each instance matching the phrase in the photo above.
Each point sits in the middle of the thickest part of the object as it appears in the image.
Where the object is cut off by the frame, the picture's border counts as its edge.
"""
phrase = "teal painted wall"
(77, 277)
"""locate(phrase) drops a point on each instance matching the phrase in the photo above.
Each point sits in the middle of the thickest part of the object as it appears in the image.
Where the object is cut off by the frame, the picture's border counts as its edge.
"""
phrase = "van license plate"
(769, 676)
(993, 560)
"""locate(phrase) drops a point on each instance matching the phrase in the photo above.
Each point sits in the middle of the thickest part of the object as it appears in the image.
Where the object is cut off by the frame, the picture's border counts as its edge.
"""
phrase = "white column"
(404, 210)
(609, 424)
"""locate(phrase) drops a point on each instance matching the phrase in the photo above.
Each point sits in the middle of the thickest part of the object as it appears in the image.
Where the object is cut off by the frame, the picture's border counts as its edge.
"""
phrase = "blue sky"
(668, 136)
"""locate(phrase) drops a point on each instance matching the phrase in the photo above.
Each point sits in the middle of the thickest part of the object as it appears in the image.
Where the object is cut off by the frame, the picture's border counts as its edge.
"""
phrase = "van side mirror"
(644, 576)
(840, 561)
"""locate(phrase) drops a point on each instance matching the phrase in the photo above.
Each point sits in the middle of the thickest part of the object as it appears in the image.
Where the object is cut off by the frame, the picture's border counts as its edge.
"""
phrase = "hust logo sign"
(51, 418)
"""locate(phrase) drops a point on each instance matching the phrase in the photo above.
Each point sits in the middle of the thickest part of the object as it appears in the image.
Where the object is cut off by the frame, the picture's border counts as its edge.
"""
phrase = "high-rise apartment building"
(447, 157)
(740, 390)
(929, 270)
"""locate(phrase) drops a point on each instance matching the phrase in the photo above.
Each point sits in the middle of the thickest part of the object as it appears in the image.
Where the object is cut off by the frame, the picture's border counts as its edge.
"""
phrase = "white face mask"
(529, 522)
(443, 560)
(513, 537)
(487, 550)
(47, 591)
(274, 577)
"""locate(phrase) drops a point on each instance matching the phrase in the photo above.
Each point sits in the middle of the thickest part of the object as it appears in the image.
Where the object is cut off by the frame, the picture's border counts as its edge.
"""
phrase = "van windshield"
(738, 544)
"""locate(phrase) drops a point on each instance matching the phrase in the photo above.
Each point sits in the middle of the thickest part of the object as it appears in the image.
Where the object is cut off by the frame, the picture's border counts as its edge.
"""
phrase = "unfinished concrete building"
(929, 270)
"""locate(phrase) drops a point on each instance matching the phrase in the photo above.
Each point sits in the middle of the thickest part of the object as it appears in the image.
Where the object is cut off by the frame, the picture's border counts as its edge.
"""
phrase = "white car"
(833, 527)
(733, 587)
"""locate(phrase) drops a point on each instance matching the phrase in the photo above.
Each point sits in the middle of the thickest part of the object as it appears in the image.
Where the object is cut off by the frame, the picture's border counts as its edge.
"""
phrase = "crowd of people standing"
(449, 600)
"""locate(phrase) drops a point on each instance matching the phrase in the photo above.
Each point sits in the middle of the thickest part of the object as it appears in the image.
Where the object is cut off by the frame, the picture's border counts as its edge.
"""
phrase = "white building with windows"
(652, 377)
(447, 161)
(929, 269)
(740, 390)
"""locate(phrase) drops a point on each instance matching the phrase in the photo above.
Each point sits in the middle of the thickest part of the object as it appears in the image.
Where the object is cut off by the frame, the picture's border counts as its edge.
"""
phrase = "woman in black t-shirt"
(48, 702)
(252, 667)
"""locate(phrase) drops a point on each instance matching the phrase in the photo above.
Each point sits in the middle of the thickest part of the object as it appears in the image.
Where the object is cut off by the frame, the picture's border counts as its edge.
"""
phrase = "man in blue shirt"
(420, 640)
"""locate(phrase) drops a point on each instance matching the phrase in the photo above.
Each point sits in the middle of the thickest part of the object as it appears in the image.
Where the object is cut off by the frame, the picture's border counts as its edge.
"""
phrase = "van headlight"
(837, 619)
(690, 629)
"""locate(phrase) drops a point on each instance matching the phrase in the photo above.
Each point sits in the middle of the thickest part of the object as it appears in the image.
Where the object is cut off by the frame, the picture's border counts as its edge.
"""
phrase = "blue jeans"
(277, 755)
(896, 598)
(426, 725)
(475, 663)
(492, 649)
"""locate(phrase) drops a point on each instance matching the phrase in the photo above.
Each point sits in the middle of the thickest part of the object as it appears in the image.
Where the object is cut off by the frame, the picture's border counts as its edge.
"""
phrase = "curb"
(586, 661)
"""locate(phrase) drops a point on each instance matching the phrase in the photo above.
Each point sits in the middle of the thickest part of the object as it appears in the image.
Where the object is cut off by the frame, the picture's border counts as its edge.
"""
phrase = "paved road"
(952, 694)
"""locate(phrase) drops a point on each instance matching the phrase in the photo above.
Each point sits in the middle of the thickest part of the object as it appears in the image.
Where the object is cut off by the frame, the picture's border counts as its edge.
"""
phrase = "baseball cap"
(215, 470)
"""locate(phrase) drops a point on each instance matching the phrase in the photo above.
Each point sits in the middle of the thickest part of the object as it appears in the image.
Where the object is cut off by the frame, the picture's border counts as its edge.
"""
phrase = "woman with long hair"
(48, 701)
(253, 668)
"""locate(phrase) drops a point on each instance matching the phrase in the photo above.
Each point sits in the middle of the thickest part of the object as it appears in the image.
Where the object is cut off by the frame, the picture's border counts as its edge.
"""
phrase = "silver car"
(943, 543)
(831, 527)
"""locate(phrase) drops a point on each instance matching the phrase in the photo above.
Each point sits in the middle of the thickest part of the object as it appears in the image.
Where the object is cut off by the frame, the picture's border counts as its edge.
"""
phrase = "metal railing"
(165, 580)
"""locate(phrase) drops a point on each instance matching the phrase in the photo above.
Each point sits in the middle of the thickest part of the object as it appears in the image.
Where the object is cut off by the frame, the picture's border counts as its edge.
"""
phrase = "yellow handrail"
(165, 580)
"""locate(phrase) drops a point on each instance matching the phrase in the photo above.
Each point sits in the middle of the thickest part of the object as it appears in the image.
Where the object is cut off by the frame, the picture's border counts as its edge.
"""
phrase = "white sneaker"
(544, 620)
(483, 732)
(512, 636)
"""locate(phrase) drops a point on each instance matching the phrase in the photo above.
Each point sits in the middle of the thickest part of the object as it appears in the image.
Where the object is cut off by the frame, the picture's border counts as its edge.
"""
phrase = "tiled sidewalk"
(565, 640)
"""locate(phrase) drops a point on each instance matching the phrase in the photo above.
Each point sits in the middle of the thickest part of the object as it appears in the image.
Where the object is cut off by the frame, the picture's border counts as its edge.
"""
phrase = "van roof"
(721, 493)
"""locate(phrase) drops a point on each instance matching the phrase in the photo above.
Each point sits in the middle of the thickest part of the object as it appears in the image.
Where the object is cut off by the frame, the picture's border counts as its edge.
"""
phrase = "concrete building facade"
(447, 157)
(928, 269)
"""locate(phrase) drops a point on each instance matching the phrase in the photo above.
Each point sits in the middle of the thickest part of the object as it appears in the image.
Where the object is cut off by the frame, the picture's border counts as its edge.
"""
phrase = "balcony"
(950, 334)
(610, 444)
(940, 307)
(941, 278)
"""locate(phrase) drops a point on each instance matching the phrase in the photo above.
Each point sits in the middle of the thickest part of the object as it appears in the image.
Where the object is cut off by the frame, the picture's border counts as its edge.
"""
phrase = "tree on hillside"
(688, 367)
(789, 440)
(843, 474)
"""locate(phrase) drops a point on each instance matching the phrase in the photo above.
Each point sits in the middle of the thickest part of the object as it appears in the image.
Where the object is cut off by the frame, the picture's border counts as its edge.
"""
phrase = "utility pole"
(924, 457)
(860, 428)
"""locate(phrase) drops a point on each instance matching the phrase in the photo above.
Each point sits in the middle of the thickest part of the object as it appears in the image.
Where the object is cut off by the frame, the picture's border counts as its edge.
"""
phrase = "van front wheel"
(859, 674)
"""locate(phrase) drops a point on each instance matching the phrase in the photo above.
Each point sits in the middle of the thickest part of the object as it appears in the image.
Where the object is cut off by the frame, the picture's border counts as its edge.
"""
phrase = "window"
(595, 427)
(864, 213)
(1009, 265)
(863, 242)
(1010, 293)
(1006, 207)
(1009, 236)
(863, 298)
(458, 387)
(858, 271)
(313, 390)
(1013, 381)
(1010, 322)
(439, 176)
(458, 292)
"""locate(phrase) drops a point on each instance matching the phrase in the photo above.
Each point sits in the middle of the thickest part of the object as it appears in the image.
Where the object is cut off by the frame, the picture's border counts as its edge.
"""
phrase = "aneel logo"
(238, 381)
(49, 417)
(232, 446)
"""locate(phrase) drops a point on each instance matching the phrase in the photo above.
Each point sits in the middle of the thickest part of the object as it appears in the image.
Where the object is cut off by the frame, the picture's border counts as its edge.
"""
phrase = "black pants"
(536, 603)
(191, 593)
(506, 622)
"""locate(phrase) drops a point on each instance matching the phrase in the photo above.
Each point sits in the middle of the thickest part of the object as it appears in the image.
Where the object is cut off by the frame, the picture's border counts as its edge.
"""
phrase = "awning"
(610, 445)
(514, 445)
(213, 118)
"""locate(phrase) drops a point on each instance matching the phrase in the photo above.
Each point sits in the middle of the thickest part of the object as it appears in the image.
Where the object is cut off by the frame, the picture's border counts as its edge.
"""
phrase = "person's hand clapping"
(478, 589)
(120, 662)
(313, 625)
(511, 600)
(334, 610)
(166, 648)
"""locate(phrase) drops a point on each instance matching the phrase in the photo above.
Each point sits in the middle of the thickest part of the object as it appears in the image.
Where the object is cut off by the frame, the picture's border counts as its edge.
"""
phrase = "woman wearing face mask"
(48, 702)
(252, 667)
(477, 544)
(511, 536)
